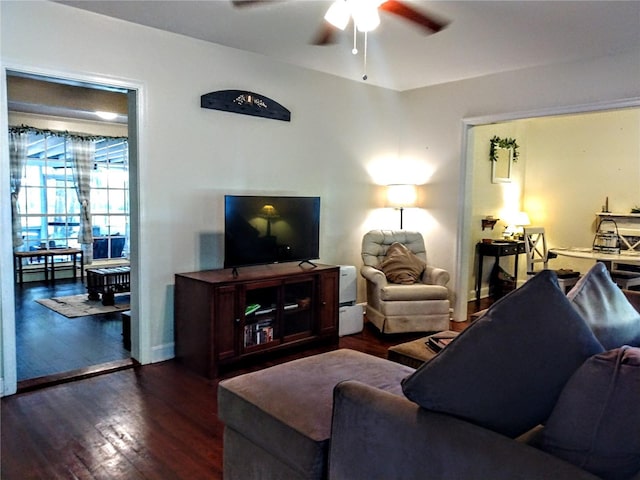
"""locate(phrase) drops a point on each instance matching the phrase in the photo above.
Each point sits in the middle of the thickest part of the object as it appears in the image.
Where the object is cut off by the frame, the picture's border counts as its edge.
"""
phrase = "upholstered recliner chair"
(422, 306)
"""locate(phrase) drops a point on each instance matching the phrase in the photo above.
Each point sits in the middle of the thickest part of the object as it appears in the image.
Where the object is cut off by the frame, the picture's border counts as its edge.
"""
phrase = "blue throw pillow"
(605, 308)
(596, 422)
(506, 371)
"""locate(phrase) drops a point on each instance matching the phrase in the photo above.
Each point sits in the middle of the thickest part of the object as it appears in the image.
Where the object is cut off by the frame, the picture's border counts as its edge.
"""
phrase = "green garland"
(59, 133)
(497, 142)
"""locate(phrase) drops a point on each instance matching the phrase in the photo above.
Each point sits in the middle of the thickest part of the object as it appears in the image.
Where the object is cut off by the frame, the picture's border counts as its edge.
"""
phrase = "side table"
(414, 353)
(497, 249)
(108, 281)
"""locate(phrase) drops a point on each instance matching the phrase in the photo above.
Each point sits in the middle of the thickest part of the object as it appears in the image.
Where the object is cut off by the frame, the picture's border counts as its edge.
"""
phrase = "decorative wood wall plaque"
(247, 103)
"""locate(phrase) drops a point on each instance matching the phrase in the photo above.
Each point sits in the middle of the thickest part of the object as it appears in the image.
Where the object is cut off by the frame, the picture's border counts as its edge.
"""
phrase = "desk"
(48, 254)
(497, 249)
(625, 256)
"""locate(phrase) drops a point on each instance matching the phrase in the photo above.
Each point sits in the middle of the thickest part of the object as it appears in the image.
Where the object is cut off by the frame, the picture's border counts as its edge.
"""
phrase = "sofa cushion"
(614, 321)
(506, 370)
(286, 409)
(596, 422)
(401, 265)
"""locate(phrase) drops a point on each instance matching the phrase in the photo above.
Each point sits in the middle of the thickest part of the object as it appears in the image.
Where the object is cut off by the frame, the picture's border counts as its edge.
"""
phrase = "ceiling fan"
(365, 17)
(364, 14)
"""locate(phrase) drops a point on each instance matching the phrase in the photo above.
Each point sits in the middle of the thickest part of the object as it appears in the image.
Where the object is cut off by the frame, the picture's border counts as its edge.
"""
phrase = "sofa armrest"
(435, 276)
(374, 275)
(378, 435)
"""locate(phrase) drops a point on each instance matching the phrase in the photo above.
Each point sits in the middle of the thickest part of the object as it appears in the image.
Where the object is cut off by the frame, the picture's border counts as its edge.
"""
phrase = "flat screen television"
(270, 229)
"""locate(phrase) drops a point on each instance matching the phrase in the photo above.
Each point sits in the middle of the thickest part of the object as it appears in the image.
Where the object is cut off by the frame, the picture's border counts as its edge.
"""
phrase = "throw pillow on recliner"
(507, 369)
(596, 422)
(401, 265)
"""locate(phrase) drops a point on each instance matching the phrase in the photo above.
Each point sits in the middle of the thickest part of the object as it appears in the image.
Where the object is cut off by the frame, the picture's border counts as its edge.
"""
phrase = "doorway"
(474, 208)
(50, 346)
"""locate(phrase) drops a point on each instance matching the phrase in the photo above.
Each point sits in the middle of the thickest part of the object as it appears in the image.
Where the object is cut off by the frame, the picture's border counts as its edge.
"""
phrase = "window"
(110, 200)
(48, 205)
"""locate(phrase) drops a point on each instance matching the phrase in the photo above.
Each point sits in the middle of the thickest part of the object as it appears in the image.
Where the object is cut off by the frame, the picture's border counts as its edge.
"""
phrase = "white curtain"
(17, 160)
(126, 251)
(82, 159)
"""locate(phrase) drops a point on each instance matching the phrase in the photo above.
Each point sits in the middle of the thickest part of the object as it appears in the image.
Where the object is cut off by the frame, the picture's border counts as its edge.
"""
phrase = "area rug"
(80, 306)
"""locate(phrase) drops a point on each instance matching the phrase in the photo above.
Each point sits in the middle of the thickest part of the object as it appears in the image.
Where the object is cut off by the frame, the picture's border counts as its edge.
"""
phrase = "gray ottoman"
(278, 420)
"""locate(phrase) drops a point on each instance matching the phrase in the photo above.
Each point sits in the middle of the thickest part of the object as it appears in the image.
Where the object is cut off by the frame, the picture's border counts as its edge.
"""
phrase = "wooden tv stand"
(223, 319)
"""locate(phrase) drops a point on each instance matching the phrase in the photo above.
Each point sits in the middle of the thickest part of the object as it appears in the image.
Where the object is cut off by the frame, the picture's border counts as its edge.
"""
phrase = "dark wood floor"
(48, 343)
(152, 422)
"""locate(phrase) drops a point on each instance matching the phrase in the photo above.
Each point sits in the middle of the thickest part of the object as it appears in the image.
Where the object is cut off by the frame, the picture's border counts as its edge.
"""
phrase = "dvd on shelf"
(258, 333)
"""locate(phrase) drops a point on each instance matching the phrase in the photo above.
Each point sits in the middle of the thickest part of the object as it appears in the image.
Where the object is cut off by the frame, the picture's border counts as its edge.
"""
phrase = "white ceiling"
(483, 37)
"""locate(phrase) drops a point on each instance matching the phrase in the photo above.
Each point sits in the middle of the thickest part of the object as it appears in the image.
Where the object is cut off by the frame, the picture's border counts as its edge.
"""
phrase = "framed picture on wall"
(501, 166)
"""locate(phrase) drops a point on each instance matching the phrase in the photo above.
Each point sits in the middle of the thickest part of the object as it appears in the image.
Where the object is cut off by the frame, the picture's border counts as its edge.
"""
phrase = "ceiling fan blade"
(402, 10)
(326, 35)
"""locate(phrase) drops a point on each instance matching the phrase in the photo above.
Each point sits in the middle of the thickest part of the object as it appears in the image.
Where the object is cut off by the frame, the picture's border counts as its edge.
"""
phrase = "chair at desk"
(625, 276)
(535, 244)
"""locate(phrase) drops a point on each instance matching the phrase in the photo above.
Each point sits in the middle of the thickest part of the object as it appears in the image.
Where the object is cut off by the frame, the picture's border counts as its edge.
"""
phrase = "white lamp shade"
(401, 196)
(338, 14)
(521, 219)
(365, 15)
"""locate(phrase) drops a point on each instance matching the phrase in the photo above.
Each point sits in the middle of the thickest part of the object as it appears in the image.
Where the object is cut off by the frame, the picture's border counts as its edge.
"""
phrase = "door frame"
(140, 326)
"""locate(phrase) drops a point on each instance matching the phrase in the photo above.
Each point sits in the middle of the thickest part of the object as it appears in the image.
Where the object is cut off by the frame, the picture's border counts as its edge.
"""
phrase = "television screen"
(270, 229)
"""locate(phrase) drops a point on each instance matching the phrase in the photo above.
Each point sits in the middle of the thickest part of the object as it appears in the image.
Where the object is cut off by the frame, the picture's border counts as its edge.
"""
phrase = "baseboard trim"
(162, 353)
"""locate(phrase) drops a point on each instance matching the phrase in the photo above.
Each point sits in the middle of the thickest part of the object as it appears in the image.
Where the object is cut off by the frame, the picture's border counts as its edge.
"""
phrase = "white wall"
(340, 132)
(575, 163)
(498, 199)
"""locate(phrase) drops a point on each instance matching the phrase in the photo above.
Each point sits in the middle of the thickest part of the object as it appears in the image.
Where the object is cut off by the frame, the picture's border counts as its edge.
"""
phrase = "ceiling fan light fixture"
(365, 15)
(338, 14)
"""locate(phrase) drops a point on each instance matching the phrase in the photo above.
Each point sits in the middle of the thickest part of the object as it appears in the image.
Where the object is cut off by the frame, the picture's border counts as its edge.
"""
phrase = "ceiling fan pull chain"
(364, 77)
(355, 38)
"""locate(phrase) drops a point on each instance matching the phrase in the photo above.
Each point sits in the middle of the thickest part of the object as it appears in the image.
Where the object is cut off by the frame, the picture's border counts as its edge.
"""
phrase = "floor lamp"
(401, 196)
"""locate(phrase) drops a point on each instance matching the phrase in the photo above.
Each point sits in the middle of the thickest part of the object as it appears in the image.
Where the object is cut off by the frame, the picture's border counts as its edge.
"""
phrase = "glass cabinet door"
(260, 316)
(297, 314)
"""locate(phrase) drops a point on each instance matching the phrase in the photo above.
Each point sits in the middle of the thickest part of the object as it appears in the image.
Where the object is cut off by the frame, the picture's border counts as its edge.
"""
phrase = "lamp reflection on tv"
(269, 212)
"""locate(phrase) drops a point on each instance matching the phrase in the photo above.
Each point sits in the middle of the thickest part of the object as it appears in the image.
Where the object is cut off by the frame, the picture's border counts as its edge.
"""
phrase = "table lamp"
(521, 219)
